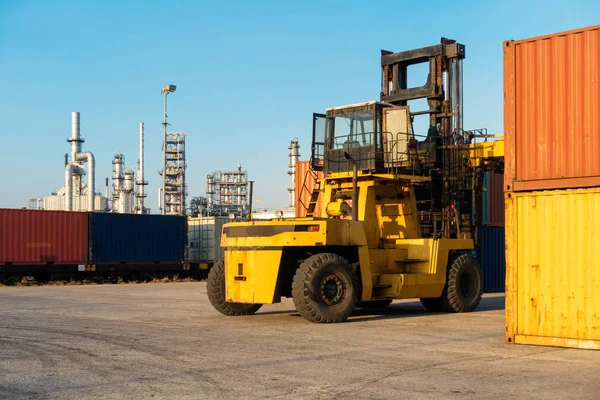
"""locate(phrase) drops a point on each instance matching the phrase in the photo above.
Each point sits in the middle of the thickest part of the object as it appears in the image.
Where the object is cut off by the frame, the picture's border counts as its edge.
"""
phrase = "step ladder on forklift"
(310, 177)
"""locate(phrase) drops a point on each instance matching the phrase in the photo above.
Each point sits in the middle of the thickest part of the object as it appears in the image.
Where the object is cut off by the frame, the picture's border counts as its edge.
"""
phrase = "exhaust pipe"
(354, 186)
(250, 206)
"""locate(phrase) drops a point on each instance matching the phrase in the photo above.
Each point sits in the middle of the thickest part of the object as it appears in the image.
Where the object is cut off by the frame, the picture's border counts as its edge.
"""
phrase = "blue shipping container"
(136, 239)
(493, 259)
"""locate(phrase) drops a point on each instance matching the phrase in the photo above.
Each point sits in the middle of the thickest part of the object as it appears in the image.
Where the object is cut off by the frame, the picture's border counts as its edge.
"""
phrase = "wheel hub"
(332, 289)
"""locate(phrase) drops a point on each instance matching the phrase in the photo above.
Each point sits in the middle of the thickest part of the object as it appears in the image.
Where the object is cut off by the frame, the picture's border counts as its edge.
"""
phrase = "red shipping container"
(305, 183)
(493, 199)
(551, 103)
(34, 237)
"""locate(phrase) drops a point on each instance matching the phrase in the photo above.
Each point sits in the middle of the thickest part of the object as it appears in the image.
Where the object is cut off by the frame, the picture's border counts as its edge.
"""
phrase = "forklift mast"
(446, 203)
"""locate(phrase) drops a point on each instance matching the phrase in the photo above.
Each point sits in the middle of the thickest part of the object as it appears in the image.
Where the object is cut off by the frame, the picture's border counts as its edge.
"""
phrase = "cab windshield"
(351, 129)
(355, 131)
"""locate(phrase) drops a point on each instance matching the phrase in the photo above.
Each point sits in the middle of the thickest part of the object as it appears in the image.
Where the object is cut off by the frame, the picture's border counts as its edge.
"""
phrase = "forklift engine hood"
(276, 234)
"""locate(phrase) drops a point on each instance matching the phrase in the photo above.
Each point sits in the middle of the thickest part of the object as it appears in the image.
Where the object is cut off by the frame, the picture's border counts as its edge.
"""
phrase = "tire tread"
(303, 280)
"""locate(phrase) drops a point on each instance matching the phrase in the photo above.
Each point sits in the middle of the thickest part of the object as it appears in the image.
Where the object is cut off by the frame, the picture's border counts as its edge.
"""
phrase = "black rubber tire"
(374, 304)
(432, 304)
(13, 280)
(464, 285)
(308, 290)
(215, 288)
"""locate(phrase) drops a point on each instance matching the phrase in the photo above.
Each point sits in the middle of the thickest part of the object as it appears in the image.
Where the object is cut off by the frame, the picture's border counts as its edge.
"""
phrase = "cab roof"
(367, 103)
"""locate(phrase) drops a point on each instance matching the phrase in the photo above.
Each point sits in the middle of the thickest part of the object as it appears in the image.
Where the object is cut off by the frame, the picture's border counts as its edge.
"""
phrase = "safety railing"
(393, 153)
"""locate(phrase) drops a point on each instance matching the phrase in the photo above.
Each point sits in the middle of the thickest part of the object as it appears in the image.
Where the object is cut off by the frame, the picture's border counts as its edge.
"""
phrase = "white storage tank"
(57, 202)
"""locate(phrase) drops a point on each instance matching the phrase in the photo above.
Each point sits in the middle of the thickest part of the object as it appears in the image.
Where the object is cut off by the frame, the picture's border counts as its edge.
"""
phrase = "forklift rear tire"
(215, 288)
(464, 285)
(325, 288)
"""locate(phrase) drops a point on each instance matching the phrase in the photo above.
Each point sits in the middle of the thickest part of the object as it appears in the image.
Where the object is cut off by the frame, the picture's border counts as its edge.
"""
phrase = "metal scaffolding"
(174, 174)
(227, 192)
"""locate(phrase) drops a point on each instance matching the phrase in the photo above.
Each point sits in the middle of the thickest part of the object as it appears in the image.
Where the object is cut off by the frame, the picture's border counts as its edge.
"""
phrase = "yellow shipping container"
(553, 268)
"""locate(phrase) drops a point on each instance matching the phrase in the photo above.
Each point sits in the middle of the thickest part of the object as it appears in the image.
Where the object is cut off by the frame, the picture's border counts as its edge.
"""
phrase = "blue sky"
(248, 74)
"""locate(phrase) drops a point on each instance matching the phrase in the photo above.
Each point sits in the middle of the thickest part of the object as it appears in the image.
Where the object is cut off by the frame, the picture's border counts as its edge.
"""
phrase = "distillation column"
(294, 157)
(74, 170)
(141, 183)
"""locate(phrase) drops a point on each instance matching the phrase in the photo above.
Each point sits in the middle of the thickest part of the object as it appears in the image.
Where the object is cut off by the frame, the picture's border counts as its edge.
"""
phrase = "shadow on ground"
(403, 309)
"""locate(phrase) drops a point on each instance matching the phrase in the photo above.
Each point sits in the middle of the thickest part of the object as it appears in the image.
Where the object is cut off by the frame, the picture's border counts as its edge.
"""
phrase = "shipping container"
(551, 103)
(492, 199)
(204, 240)
(36, 237)
(136, 239)
(306, 179)
(493, 260)
(553, 268)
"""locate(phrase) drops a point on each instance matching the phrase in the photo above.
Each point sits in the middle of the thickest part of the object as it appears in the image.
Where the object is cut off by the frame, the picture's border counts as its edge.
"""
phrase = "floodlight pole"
(165, 90)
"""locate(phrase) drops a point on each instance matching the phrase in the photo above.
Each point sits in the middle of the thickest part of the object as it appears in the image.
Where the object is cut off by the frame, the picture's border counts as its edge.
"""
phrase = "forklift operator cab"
(375, 134)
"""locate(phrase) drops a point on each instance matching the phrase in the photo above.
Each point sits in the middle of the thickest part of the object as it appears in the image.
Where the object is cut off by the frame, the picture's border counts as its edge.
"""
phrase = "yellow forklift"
(399, 215)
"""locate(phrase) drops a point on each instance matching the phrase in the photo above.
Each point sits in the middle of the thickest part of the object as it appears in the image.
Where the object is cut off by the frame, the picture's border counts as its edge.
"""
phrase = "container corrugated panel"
(204, 238)
(305, 183)
(551, 118)
(492, 208)
(493, 260)
(136, 239)
(553, 268)
(34, 237)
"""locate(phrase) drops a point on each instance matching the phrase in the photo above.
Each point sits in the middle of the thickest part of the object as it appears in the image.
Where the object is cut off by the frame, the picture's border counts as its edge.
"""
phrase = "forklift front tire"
(325, 288)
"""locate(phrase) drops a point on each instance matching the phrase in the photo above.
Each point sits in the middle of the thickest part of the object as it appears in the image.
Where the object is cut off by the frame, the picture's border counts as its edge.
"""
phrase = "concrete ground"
(165, 341)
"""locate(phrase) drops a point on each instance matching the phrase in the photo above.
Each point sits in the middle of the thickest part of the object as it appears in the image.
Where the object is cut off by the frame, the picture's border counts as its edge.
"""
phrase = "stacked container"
(552, 189)
(492, 200)
(493, 263)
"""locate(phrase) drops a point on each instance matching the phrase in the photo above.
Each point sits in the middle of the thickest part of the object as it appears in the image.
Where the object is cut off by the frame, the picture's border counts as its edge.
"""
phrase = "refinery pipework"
(74, 170)
(122, 186)
(226, 192)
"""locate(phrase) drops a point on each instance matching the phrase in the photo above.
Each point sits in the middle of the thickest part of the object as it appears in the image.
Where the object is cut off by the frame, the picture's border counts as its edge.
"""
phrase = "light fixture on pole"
(165, 91)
